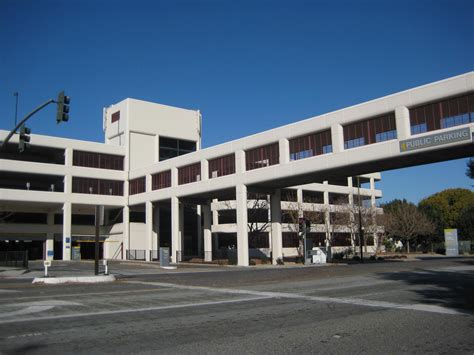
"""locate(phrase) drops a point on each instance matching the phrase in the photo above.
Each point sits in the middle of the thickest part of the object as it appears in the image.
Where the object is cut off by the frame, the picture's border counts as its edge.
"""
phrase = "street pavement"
(422, 306)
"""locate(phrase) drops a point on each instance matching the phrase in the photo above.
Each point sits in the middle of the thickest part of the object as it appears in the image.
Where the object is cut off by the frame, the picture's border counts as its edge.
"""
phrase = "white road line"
(85, 294)
(130, 310)
(352, 301)
(8, 291)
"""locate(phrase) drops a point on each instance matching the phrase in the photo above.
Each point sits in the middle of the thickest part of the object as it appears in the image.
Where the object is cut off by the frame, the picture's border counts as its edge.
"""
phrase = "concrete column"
(206, 211)
(242, 225)
(284, 150)
(155, 244)
(181, 231)
(277, 242)
(175, 235)
(402, 121)
(67, 237)
(199, 229)
(215, 214)
(174, 176)
(327, 214)
(148, 183)
(204, 169)
(299, 201)
(126, 231)
(372, 192)
(50, 237)
(337, 138)
(157, 149)
(148, 229)
(240, 162)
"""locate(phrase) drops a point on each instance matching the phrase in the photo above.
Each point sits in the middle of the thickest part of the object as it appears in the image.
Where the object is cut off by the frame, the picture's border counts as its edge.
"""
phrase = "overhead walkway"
(431, 123)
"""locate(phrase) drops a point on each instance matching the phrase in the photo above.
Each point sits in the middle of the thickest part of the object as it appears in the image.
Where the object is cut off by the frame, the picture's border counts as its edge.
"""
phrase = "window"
(290, 240)
(137, 186)
(161, 180)
(310, 145)
(97, 186)
(353, 143)
(172, 147)
(97, 160)
(420, 128)
(262, 156)
(189, 173)
(115, 116)
(222, 166)
(373, 130)
(442, 114)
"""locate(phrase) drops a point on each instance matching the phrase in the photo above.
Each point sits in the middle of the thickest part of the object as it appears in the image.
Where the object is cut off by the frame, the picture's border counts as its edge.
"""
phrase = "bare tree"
(403, 221)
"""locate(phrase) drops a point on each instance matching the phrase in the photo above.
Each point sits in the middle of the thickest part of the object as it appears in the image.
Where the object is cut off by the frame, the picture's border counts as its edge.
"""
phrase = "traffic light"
(24, 138)
(63, 107)
(302, 225)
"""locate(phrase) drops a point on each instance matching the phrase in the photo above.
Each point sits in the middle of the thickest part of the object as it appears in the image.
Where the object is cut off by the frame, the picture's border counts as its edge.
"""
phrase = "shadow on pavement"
(448, 287)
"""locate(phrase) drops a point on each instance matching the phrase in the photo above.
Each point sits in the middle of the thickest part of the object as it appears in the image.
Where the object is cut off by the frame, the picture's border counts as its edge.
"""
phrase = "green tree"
(444, 208)
(404, 221)
(470, 168)
(466, 222)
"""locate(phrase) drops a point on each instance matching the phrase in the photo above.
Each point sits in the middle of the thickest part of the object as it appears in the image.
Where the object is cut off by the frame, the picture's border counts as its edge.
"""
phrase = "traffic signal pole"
(10, 135)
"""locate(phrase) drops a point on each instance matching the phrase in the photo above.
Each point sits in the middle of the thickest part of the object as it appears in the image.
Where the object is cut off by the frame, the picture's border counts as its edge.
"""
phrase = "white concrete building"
(160, 189)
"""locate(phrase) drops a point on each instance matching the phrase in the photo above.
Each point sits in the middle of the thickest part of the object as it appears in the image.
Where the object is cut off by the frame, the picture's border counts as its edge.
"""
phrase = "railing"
(14, 258)
(154, 255)
(134, 254)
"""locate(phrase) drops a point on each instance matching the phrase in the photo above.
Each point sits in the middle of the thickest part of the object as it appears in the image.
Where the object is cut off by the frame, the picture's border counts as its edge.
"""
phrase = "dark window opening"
(189, 173)
(262, 157)
(115, 116)
(36, 154)
(290, 240)
(172, 147)
(311, 145)
(222, 166)
(97, 186)
(258, 240)
(373, 130)
(161, 180)
(137, 186)
(33, 182)
(97, 160)
(23, 217)
(442, 114)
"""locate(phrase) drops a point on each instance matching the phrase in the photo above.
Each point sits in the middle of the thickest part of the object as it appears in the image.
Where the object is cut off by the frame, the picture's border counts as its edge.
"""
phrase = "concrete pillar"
(50, 237)
(206, 211)
(175, 235)
(337, 138)
(242, 225)
(372, 192)
(327, 214)
(240, 162)
(199, 229)
(204, 169)
(67, 237)
(299, 201)
(181, 231)
(126, 232)
(148, 229)
(215, 213)
(155, 244)
(284, 150)
(277, 242)
(174, 176)
(402, 121)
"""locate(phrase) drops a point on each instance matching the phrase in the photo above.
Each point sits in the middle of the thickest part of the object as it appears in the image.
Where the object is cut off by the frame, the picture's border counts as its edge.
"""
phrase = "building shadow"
(451, 287)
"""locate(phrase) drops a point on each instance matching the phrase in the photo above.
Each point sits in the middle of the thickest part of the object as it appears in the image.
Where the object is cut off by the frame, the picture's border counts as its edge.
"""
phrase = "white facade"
(58, 187)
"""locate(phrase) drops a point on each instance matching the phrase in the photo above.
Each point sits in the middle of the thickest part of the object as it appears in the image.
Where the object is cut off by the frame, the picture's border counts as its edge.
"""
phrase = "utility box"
(319, 255)
(164, 256)
(76, 253)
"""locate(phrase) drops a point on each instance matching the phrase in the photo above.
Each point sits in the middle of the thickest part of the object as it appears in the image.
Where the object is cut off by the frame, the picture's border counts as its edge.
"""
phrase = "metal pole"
(360, 222)
(97, 230)
(13, 131)
(16, 106)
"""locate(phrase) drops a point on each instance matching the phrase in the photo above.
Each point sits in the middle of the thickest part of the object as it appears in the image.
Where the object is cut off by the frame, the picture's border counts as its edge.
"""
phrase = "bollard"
(106, 271)
(46, 263)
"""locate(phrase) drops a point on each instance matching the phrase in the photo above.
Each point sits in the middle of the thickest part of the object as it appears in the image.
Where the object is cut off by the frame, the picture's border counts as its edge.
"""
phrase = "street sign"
(47, 263)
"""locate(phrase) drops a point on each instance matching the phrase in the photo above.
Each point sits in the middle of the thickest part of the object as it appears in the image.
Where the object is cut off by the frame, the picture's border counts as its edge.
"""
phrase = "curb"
(77, 279)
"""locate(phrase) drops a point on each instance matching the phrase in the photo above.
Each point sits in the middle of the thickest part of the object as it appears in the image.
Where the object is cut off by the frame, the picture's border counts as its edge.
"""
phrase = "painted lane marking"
(8, 291)
(35, 307)
(131, 310)
(85, 294)
(351, 301)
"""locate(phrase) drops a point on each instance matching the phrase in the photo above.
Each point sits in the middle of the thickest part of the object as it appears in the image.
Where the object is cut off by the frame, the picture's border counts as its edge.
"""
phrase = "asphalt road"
(389, 307)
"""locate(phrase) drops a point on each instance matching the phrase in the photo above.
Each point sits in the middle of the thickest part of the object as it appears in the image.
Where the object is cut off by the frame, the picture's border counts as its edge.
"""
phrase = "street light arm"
(10, 135)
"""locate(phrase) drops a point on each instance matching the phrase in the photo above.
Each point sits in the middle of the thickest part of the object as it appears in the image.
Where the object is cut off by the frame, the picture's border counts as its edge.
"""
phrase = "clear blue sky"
(247, 65)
